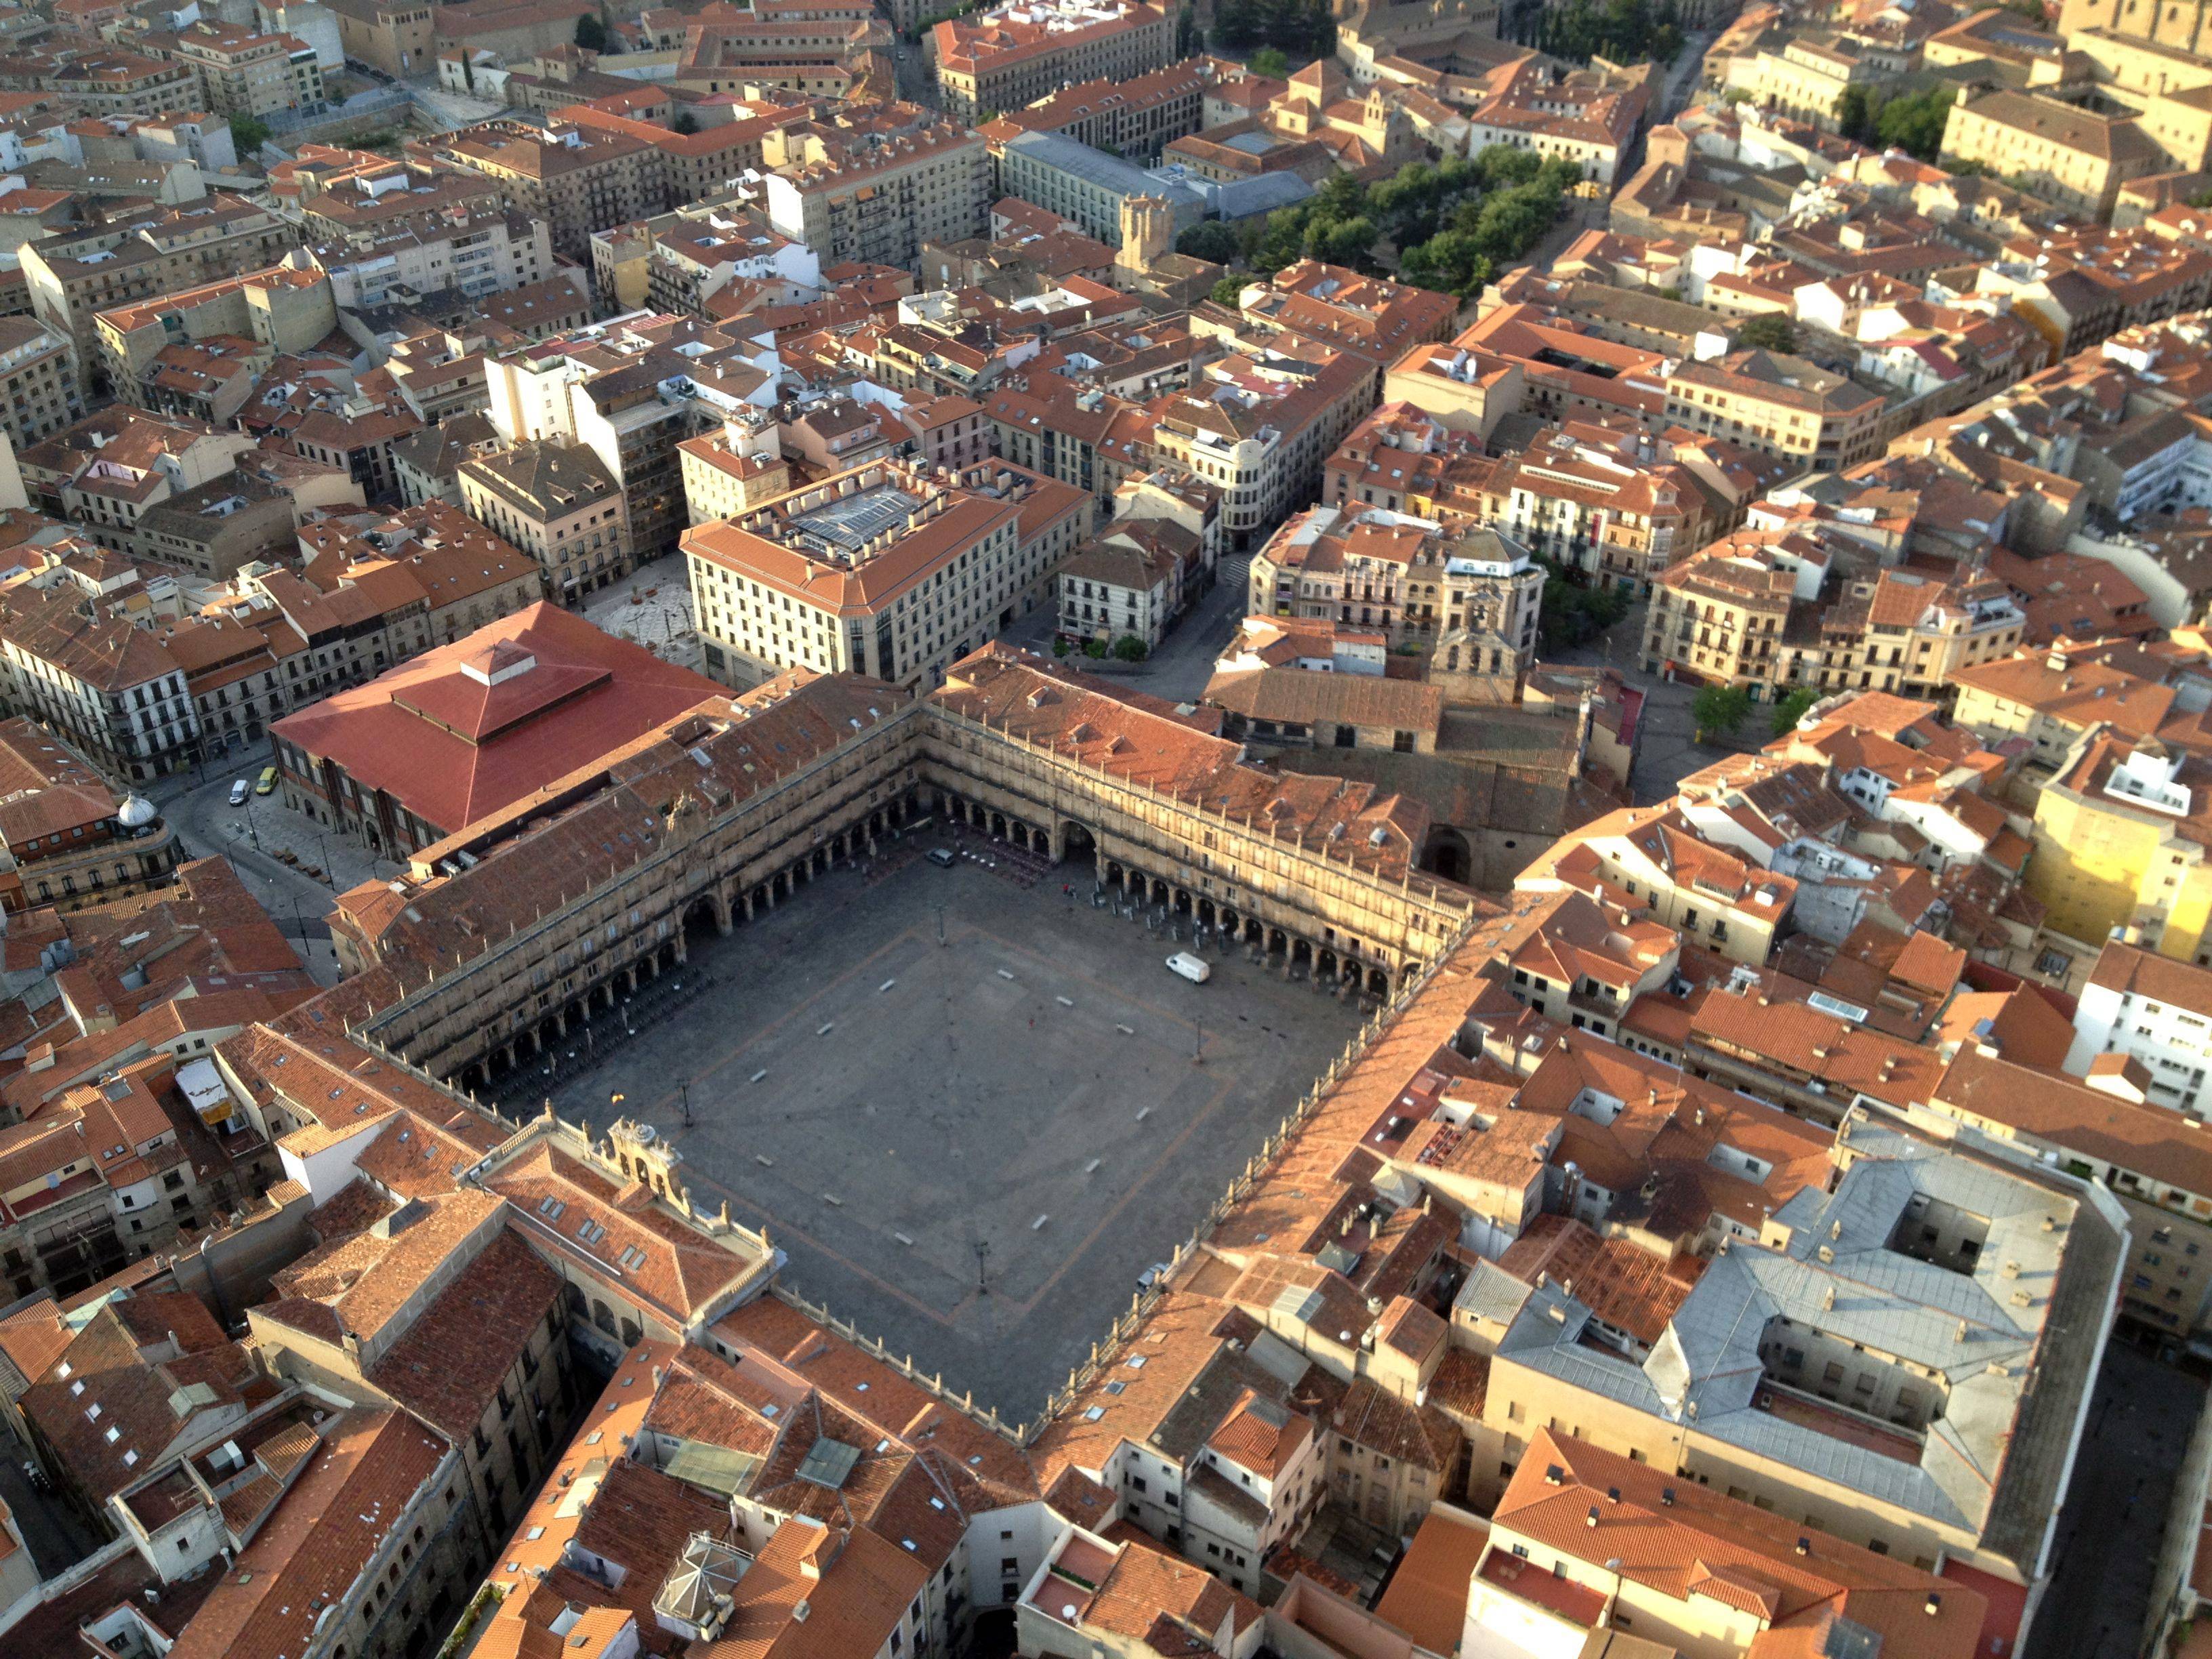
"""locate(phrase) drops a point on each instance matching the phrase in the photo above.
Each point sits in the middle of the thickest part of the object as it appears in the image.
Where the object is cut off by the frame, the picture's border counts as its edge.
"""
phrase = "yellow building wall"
(2089, 865)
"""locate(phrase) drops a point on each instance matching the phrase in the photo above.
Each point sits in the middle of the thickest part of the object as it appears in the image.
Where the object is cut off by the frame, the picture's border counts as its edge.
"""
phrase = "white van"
(1190, 967)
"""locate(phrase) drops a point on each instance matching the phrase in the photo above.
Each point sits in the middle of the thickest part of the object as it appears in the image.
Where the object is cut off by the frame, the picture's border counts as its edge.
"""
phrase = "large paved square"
(970, 1148)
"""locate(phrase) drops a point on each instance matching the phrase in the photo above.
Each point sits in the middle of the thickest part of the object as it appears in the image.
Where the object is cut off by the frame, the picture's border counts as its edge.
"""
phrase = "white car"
(240, 791)
(1190, 967)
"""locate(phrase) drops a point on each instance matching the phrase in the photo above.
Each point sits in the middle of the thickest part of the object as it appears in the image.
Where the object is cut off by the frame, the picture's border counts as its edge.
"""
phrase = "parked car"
(943, 857)
(268, 780)
(239, 790)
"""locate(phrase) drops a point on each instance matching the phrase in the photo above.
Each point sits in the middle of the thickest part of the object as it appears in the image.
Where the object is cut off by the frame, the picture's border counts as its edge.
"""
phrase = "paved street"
(1669, 751)
(2116, 1510)
(57, 1537)
(1184, 662)
(251, 835)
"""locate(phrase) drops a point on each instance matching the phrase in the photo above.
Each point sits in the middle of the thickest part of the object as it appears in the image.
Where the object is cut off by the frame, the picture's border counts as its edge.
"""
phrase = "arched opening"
(604, 1317)
(1446, 854)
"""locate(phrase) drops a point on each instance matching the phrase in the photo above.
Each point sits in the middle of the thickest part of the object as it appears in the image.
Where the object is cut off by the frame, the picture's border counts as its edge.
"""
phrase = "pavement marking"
(1065, 1002)
(886, 986)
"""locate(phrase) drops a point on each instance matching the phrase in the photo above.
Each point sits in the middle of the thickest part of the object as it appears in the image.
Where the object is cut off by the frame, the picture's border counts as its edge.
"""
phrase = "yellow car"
(268, 783)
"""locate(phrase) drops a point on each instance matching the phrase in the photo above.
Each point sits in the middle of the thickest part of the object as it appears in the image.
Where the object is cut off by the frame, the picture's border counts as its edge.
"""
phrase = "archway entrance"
(1446, 854)
(1078, 845)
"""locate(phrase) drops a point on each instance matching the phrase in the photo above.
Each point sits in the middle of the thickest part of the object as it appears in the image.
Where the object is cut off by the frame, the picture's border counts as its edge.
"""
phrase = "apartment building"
(885, 570)
(1780, 405)
(443, 1308)
(631, 390)
(68, 838)
(1594, 499)
(2151, 1008)
(108, 685)
(37, 381)
(112, 82)
(2054, 698)
(1557, 1567)
(1013, 56)
(1720, 615)
(557, 502)
(244, 73)
(73, 276)
(1341, 310)
(285, 308)
(1260, 427)
(2121, 836)
(873, 183)
(680, 262)
(729, 472)
(1409, 579)
(1137, 117)
(577, 180)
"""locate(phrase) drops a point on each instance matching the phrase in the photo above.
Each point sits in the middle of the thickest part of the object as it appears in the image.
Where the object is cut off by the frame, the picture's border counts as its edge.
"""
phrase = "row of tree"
(1301, 26)
(1620, 31)
(1454, 224)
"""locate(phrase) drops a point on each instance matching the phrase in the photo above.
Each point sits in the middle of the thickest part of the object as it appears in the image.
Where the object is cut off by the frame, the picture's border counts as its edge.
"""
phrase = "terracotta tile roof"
(458, 1350)
(469, 728)
(1677, 1538)
(360, 1488)
(559, 1201)
(111, 1415)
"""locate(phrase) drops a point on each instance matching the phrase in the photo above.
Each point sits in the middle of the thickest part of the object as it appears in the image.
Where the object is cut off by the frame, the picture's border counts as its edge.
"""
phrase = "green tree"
(1094, 648)
(1187, 32)
(685, 122)
(1341, 196)
(1236, 24)
(591, 33)
(1210, 241)
(248, 133)
(1719, 710)
(1270, 60)
(1771, 332)
(1060, 646)
(1791, 708)
(1228, 291)
(1130, 649)
(1855, 113)
(1915, 123)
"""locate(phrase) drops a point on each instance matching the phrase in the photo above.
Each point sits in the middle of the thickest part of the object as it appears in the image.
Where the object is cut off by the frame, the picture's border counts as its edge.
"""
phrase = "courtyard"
(973, 1110)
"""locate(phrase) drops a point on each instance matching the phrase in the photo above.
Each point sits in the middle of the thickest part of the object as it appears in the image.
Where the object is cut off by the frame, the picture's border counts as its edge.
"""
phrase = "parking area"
(972, 1107)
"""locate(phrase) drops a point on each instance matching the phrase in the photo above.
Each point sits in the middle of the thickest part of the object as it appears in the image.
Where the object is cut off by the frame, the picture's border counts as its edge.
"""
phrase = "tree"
(1210, 241)
(591, 33)
(1130, 649)
(248, 133)
(1855, 113)
(1094, 648)
(1719, 709)
(685, 122)
(1228, 291)
(1915, 123)
(1771, 332)
(1791, 709)
(1187, 32)
(1270, 60)
(1236, 24)
(1060, 646)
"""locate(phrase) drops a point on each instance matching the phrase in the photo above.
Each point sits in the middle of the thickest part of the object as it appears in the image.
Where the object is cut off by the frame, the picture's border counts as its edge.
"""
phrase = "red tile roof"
(462, 730)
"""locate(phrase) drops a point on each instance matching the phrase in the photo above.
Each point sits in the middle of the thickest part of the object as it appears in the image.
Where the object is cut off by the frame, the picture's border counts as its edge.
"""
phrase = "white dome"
(137, 812)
